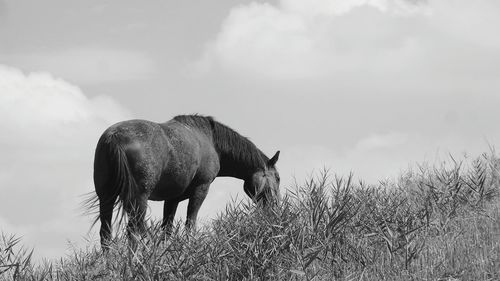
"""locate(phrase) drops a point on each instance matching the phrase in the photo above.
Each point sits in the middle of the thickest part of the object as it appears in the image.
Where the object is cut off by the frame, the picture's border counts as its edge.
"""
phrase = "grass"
(432, 223)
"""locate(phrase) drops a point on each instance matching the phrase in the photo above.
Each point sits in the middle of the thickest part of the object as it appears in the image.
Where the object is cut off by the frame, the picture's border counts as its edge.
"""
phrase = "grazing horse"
(139, 160)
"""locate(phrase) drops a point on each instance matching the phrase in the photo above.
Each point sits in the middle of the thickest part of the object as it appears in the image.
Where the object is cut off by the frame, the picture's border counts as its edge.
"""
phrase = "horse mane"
(227, 141)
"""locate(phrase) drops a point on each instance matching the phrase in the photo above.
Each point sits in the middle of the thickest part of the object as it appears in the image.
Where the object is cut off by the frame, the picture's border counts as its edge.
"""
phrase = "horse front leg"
(169, 209)
(194, 205)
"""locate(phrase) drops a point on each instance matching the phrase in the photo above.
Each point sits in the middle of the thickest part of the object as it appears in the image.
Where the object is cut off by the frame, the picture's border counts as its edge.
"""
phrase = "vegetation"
(432, 223)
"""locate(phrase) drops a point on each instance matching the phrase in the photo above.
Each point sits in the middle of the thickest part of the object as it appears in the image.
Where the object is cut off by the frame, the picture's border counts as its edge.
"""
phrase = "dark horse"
(138, 160)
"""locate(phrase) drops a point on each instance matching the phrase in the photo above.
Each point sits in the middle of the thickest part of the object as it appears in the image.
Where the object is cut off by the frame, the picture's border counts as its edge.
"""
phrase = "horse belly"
(171, 185)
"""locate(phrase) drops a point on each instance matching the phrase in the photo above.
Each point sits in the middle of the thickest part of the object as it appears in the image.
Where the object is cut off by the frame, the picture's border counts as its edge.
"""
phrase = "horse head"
(263, 185)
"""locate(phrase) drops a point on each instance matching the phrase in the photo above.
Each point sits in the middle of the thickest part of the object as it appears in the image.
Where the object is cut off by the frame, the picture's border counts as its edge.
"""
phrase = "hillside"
(437, 222)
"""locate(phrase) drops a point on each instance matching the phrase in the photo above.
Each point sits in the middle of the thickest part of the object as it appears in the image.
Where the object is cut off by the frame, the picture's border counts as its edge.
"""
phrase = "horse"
(139, 160)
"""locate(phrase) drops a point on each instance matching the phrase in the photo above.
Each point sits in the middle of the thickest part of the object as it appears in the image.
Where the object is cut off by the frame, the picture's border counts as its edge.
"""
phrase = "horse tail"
(113, 179)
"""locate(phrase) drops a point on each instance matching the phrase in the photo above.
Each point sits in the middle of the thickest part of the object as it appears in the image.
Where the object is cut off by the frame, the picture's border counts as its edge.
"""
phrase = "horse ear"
(273, 160)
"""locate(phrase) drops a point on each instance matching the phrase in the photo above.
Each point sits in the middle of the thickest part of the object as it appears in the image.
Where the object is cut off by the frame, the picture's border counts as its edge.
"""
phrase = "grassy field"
(432, 223)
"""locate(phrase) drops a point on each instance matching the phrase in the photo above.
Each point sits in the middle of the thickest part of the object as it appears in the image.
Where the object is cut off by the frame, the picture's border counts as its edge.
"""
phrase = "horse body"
(140, 160)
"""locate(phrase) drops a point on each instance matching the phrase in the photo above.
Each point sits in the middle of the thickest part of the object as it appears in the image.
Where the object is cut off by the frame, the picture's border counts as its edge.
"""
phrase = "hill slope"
(440, 222)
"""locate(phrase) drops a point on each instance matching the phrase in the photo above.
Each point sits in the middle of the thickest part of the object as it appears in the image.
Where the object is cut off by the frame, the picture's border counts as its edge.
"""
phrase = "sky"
(364, 86)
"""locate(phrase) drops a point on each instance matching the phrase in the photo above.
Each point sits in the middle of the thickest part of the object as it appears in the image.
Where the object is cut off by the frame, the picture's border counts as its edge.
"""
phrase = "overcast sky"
(369, 86)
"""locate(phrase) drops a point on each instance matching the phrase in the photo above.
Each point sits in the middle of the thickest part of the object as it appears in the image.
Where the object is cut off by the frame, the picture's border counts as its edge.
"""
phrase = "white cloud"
(49, 131)
(37, 104)
(40, 97)
(88, 65)
(248, 42)
(341, 38)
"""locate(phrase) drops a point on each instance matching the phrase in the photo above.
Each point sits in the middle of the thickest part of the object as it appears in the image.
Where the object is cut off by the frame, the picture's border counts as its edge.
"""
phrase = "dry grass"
(433, 223)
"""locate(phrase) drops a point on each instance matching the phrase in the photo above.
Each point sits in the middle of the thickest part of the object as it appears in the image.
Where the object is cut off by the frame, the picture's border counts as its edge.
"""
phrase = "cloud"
(88, 65)
(298, 39)
(49, 131)
(247, 42)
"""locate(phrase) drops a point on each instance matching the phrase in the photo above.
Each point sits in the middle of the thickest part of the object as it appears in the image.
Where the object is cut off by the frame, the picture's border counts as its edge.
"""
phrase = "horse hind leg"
(136, 212)
(106, 205)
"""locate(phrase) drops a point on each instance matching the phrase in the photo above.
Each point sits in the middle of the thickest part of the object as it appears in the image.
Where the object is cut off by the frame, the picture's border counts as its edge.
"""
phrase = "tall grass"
(433, 223)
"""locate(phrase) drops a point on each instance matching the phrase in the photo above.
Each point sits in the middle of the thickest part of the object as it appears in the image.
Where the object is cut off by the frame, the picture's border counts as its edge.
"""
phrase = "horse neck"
(239, 158)
(230, 167)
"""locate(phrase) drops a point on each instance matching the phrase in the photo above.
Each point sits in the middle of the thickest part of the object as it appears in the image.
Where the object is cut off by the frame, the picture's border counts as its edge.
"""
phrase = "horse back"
(166, 159)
